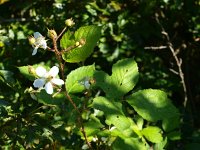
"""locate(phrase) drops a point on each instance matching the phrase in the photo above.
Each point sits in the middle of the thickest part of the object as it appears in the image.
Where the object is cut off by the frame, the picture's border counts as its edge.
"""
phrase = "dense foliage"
(132, 77)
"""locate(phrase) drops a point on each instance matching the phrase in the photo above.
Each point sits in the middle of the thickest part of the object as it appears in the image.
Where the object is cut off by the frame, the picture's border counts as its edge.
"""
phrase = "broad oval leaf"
(152, 134)
(152, 104)
(91, 35)
(75, 79)
(123, 79)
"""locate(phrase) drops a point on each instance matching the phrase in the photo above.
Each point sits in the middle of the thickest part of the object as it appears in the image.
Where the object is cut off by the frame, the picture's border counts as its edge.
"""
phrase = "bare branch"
(178, 60)
(155, 47)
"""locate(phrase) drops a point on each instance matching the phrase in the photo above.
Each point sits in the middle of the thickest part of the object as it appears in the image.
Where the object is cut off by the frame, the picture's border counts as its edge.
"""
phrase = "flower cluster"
(46, 80)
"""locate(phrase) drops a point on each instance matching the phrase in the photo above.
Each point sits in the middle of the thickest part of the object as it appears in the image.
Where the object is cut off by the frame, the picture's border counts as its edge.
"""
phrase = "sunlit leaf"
(152, 104)
(128, 144)
(75, 79)
(124, 77)
(91, 35)
(152, 134)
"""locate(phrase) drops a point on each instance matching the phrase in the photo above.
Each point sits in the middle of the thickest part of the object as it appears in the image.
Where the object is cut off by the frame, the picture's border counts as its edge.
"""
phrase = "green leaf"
(7, 77)
(161, 145)
(47, 99)
(152, 134)
(175, 135)
(124, 77)
(67, 40)
(25, 71)
(75, 78)
(152, 104)
(89, 33)
(93, 126)
(114, 114)
(128, 144)
(170, 124)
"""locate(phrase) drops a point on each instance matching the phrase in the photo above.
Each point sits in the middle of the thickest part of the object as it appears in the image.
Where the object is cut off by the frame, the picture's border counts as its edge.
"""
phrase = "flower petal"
(37, 35)
(43, 44)
(34, 51)
(53, 71)
(38, 83)
(57, 81)
(49, 88)
(40, 71)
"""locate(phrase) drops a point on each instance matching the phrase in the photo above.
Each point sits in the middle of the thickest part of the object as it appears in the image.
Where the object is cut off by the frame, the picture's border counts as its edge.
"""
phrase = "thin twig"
(69, 48)
(61, 33)
(155, 47)
(178, 60)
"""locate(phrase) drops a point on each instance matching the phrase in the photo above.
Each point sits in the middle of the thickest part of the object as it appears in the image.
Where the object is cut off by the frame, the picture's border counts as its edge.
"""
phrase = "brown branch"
(178, 60)
(155, 47)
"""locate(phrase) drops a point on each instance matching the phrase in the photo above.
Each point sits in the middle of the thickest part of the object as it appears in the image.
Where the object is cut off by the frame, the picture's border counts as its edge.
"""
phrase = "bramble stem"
(62, 64)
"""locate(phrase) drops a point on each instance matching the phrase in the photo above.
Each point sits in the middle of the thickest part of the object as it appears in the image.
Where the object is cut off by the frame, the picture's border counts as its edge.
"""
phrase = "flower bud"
(82, 42)
(31, 70)
(69, 22)
(31, 40)
(1, 44)
(77, 43)
(52, 34)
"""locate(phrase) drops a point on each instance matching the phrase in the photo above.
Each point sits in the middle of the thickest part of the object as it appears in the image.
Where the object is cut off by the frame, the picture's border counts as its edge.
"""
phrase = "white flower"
(39, 42)
(85, 82)
(96, 112)
(47, 80)
(85, 146)
(104, 139)
(94, 139)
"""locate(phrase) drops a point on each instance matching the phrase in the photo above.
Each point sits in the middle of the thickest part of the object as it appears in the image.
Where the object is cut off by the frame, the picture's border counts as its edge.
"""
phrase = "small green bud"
(52, 34)
(31, 70)
(69, 22)
(31, 40)
(1, 44)
(80, 43)
(77, 43)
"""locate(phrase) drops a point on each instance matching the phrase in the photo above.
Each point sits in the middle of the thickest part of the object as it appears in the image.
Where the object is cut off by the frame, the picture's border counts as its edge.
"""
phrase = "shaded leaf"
(114, 114)
(170, 124)
(7, 77)
(175, 135)
(45, 98)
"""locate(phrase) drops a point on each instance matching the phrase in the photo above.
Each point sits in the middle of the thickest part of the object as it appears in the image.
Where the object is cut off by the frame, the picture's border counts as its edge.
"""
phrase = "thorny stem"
(59, 58)
(178, 61)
